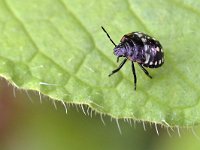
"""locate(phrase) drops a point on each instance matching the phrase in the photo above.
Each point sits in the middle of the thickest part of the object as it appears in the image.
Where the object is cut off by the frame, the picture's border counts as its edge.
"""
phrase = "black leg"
(145, 71)
(120, 66)
(134, 74)
(118, 58)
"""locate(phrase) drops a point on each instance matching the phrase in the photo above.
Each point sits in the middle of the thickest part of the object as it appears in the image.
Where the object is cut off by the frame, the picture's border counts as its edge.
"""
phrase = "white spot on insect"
(147, 56)
(145, 47)
(157, 49)
(151, 63)
(159, 62)
(155, 63)
(138, 34)
(143, 40)
(161, 50)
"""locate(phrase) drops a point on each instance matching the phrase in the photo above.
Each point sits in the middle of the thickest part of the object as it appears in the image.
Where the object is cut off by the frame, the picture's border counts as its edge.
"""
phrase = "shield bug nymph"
(141, 48)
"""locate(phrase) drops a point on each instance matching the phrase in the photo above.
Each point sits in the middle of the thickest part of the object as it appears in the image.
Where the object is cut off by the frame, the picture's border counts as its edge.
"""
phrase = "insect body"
(141, 48)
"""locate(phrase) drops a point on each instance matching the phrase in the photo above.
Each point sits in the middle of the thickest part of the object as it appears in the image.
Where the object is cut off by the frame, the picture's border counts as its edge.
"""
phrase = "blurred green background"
(27, 124)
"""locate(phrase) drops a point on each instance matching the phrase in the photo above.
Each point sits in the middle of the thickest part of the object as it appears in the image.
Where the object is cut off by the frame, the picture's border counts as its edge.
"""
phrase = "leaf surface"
(58, 48)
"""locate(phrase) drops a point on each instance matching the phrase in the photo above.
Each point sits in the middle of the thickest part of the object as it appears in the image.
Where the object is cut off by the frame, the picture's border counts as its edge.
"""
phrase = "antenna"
(108, 36)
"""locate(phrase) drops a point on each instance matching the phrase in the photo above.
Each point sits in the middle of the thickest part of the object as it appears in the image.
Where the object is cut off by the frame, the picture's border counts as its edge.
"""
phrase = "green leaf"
(58, 48)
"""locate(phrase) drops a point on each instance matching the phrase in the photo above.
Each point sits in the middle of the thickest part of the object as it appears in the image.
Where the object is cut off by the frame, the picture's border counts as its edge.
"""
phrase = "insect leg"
(145, 71)
(118, 58)
(134, 74)
(120, 66)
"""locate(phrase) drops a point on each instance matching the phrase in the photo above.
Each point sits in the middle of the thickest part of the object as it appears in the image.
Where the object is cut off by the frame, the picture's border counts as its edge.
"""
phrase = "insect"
(138, 47)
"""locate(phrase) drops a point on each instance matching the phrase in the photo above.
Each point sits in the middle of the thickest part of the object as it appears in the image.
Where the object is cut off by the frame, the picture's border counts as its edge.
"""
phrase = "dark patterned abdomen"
(152, 54)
